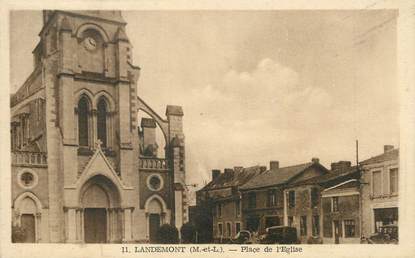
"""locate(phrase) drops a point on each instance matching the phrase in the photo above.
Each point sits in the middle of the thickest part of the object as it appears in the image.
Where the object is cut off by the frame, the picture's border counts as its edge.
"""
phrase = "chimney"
(341, 165)
(387, 148)
(228, 172)
(215, 174)
(238, 169)
(262, 168)
(274, 165)
(315, 160)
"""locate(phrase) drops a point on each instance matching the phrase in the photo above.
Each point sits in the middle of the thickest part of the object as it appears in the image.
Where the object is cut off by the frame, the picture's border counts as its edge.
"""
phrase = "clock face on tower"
(90, 43)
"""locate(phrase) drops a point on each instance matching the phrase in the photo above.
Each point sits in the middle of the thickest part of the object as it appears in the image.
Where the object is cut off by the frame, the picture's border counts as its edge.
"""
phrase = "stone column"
(71, 227)
(118, 221)
(38, 226)
(127, 237)
(81, 213)
(78, 224)
(147, 225)
(108, 222)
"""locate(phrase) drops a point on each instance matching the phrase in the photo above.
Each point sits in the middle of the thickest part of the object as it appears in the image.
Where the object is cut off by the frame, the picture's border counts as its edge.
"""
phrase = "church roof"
(174, 110)
(148, 122)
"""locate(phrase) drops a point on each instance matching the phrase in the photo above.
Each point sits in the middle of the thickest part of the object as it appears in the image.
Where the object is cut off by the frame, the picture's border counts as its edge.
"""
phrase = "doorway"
(154, 226)
(95, 220)
(29, 227)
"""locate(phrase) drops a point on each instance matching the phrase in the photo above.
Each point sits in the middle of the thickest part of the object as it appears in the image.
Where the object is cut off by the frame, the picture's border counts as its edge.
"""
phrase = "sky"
(257, 86)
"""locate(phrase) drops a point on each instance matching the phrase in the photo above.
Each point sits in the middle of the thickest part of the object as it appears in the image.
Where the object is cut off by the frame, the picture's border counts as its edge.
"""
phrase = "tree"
(18, 234)
(167, 234)
(188, 233)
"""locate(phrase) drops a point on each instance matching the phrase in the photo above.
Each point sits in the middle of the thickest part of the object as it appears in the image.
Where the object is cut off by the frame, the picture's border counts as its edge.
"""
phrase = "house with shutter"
(316, 205)
(380, 190)
(222, 196)
(266, 200)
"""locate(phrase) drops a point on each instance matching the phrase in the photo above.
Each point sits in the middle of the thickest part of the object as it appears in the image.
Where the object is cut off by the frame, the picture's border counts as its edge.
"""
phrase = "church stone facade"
(84, 169)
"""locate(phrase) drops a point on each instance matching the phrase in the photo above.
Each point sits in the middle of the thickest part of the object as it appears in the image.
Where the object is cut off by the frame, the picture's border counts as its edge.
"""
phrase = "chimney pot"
(215, 174)
(387, 148)
(340, 165)
(238, 168)
(315, 160)
(273, 164)
(228, 171)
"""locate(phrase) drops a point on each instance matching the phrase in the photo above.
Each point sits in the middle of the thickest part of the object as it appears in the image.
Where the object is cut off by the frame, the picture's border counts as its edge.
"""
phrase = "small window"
(393, 180)
(219, 210)
(350, 228)
(237, 227)
(27, 179)
(303, 225)
(229, 229)
(316, 225)
(272, 198)
(252, 200)
(314, 197)
(155, 182)
(335, 204)
(290, 221)
(377, 183)
(220, 229)
(291, 199)
(238, 208)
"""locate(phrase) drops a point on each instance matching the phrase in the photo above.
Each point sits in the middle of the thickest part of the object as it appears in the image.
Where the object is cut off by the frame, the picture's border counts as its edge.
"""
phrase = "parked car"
(387, 234)
(280, 235)
(243, 237)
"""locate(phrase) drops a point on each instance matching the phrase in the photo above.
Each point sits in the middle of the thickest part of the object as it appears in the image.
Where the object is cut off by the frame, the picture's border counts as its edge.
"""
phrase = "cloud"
(249, 113)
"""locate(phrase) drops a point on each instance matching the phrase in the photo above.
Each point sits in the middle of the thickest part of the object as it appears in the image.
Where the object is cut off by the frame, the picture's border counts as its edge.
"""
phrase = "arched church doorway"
(28, 210)
(28, 219)
(100, 201)
(156, 215)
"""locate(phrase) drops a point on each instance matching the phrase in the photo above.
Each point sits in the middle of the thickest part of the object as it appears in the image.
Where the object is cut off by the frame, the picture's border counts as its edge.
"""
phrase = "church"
(84, 168)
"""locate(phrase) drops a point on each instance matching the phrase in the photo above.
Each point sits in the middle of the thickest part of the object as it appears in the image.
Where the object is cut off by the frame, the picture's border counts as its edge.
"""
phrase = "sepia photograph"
(229, 127)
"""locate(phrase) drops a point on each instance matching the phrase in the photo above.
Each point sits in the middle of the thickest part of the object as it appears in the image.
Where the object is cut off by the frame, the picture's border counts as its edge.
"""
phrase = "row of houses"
(336, 205)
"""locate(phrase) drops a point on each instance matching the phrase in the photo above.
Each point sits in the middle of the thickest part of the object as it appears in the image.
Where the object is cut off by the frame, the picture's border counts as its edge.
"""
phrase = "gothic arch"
(157, 198)
(92, 26)
(27, 206)
(107, 187)
(18, 201)
(84, 92)
(108, 98)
